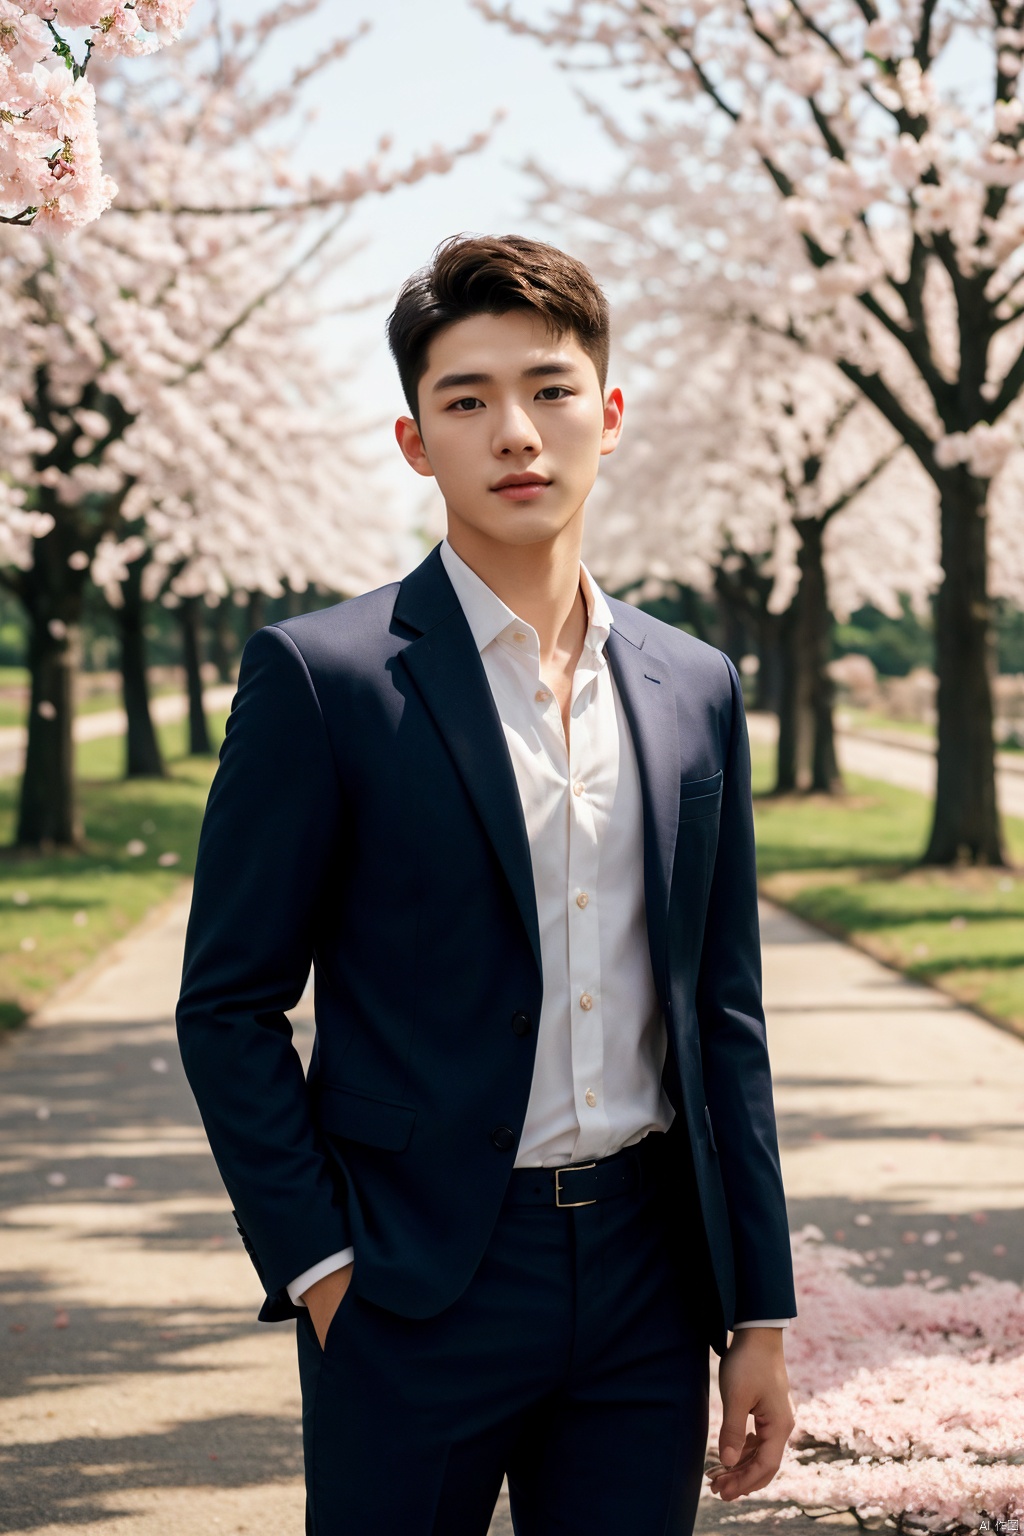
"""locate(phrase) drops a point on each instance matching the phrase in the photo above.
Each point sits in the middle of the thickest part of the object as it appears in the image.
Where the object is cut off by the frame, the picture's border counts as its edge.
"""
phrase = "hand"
(752, 1378)
(324, 1298)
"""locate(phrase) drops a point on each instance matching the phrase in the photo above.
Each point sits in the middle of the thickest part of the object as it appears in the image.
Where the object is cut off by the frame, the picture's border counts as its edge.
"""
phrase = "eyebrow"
(539, 371)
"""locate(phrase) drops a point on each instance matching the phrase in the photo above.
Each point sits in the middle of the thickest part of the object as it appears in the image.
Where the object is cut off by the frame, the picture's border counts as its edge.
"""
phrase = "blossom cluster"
(168, 389)
(753, 413)
(892, 148)
(51, 171)
(909, 1401)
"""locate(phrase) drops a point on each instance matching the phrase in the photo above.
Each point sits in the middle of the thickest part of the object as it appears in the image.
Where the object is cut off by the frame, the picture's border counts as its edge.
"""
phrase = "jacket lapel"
(449, 675)
(648, 698)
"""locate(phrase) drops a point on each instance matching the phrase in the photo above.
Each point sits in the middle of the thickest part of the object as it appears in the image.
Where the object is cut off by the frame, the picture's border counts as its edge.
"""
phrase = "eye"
(553, 392)
(465, 405)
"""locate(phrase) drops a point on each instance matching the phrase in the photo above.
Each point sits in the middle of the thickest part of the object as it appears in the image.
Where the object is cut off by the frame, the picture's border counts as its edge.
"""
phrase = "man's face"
(513, 424)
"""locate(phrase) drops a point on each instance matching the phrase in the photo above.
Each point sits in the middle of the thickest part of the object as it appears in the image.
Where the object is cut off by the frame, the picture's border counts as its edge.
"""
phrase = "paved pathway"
(138, 1397)
(910, 764)
(166, 708)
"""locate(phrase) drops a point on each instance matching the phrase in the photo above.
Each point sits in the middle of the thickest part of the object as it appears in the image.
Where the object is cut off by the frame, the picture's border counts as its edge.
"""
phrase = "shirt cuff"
(763, 1322)
(310, 1277)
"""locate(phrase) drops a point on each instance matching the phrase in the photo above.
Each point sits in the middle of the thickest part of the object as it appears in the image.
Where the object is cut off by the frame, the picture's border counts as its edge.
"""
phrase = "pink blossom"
(80, 13)
(879, 39)
(1008, 115)
(908, 1404)
(25, 177)
(18, 90)
(66, 105)
(121, 36)
(907, 160)
(166, 18)
(24, 39)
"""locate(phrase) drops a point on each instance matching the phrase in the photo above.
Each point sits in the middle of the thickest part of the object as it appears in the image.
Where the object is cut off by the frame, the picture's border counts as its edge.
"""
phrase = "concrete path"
(138, 1397)
(167, 707)
(910, 764)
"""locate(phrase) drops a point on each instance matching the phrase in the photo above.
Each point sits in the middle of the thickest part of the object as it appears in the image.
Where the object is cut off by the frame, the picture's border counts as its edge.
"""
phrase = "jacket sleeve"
(271, 833)
(737, 1076)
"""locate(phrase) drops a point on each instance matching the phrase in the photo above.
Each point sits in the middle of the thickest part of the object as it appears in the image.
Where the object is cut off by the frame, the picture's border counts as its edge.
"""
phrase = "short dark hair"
(492, 275)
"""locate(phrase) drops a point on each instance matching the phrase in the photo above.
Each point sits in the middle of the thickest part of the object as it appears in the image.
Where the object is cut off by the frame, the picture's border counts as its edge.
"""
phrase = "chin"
(522, 525)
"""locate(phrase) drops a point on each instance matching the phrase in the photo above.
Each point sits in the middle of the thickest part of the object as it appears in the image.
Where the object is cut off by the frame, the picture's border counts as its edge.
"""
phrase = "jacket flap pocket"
(699, 797)
(372, 1121)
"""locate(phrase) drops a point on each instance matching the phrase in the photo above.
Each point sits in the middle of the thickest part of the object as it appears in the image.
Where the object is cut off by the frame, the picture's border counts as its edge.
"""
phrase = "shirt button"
(586, 1002)
(519, 637)
(591, 1098)
(582, 900)
(542, 696)
(578, 787)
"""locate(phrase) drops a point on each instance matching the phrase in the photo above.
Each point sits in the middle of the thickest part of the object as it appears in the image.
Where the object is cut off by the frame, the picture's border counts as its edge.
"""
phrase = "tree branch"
(1010, 389)
(861, 485)
(874, 388)
(263, 298)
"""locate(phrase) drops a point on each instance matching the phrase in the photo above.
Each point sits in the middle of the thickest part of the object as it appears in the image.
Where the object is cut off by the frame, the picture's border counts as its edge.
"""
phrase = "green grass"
(70, 906)
(849, 865)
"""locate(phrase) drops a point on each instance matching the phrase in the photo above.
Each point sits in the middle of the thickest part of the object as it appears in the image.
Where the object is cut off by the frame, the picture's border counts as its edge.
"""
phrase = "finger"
(716, 1471)
(747, 1450)
(755, 1473)
(733, 1438)
(755, 1447)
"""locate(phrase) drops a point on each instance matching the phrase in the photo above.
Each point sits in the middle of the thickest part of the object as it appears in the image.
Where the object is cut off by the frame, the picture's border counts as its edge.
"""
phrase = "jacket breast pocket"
(374, 1122)
(700, 797)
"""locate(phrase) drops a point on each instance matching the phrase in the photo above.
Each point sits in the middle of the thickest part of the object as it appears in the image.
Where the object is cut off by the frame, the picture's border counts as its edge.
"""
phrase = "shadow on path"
(66, 1482)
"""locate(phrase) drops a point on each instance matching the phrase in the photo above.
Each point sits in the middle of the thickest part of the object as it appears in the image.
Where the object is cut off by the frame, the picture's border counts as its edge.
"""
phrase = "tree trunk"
(806, 750)
(256, 612)
(966, 826)
(743, 589)
(191, 619)
(47, 810)
(222, 641)
(789, 694)
(768, 688)
(143, 758)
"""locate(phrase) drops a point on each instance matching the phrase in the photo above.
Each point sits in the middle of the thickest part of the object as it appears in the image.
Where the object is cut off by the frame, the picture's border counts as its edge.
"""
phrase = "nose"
(515, 434)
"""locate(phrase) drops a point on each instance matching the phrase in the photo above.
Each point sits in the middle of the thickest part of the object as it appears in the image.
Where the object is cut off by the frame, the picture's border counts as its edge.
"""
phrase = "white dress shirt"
(601, 1039)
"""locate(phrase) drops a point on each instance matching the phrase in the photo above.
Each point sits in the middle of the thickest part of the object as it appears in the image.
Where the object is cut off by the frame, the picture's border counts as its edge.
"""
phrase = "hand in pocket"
(325, 1297)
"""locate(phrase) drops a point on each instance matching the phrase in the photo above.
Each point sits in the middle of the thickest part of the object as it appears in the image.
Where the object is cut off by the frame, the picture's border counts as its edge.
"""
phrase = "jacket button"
(503, 1138)
(521, 1024)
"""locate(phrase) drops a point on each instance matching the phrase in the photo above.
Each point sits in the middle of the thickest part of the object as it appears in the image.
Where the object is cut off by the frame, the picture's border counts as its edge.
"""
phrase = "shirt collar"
(488, 617)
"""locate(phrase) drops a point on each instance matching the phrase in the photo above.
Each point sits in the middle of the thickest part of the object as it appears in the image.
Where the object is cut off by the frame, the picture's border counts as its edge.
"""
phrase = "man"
(533, 1171)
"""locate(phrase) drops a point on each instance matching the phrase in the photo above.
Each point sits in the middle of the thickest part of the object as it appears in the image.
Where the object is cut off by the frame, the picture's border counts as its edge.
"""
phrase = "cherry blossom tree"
(899, 176)
(754, 471)
(165, 379)
(50, 164)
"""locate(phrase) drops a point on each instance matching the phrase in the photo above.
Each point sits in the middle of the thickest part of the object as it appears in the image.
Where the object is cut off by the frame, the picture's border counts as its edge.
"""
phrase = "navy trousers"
(573, 1362)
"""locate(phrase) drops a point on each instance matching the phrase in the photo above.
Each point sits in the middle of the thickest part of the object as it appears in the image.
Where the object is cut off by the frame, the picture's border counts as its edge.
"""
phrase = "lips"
(521, 487)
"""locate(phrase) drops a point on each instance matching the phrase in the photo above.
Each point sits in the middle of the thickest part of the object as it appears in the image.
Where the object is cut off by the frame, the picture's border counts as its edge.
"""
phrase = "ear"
(410, 441)
(613, 409)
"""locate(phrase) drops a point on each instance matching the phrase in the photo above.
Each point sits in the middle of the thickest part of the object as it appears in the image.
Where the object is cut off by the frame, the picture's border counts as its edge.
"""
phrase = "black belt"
(630, 1171)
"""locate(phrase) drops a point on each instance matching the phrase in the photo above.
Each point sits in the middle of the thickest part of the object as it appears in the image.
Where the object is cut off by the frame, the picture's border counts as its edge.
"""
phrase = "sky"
(435, 73)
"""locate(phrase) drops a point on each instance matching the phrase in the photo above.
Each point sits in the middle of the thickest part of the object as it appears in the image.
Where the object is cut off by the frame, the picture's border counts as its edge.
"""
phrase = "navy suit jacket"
(365, 818)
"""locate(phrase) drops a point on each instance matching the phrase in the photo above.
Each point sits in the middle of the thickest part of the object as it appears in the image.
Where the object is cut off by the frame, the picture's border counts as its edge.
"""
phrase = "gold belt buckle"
(568, 1205)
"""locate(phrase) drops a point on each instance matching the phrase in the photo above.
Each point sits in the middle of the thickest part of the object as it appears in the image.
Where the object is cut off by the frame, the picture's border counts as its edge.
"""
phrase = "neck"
(539, 582)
